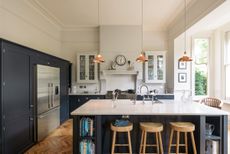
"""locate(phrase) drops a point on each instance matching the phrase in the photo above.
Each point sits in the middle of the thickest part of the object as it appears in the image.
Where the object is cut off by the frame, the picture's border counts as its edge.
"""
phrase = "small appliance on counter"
(48, 100)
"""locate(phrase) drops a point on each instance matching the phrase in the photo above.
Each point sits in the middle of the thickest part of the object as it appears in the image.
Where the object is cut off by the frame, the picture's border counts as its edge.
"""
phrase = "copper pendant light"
(185, 58)
(99, 58)
(142, 58)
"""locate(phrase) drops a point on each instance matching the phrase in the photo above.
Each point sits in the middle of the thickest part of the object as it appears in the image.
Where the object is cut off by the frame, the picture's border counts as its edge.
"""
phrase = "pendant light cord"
(185, 26)
(98, 25)
(142, 22)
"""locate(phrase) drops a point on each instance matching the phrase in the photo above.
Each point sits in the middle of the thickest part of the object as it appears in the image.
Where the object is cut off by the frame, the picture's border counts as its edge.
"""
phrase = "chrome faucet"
(115, 95)
(144, 85)
(145, 97)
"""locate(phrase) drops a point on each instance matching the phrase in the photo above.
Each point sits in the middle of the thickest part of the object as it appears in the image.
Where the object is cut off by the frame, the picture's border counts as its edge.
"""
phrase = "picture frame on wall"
(182, 77)
(182, 65)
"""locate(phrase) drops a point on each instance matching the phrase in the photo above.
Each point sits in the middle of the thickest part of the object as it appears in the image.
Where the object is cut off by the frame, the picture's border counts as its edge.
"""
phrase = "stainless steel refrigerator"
(48, 100)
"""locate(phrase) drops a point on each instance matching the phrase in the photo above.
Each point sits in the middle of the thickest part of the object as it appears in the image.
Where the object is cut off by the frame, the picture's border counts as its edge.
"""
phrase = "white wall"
(155, 40)
(79, 40)
(196, 11)
(124, 40)
(179, 48)
(23, 24)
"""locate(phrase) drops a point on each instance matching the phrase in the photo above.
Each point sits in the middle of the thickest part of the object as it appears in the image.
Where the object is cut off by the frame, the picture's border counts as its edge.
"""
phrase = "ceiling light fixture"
(185, 58)
(141, 58)
(99, 58)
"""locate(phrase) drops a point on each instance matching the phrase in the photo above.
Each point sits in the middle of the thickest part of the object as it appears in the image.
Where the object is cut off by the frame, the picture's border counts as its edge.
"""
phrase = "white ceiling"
(84, 13)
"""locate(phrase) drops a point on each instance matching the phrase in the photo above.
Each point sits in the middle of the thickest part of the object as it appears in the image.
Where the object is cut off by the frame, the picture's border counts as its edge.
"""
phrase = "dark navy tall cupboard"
(17, 94)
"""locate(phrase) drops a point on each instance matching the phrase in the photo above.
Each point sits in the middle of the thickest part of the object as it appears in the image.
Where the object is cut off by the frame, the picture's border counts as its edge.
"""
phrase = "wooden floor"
(60, 141)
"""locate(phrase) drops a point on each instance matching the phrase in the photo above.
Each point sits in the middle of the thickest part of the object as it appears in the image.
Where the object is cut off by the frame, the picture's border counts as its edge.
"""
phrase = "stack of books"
(87, 147)
(86, 127)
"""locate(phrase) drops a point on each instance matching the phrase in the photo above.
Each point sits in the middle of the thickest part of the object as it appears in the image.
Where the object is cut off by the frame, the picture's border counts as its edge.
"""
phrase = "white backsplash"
(92, 88)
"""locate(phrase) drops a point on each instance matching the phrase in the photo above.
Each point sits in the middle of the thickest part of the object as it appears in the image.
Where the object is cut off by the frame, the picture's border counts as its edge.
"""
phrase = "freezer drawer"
(47, 122)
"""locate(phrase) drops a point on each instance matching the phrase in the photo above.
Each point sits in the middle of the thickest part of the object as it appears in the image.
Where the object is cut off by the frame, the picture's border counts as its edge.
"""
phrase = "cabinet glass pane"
(82, 67)
(160, 63)
(91, 68)
(151, 67)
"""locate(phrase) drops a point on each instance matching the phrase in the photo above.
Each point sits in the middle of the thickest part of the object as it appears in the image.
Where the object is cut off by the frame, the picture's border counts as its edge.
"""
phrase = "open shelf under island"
(103, 112)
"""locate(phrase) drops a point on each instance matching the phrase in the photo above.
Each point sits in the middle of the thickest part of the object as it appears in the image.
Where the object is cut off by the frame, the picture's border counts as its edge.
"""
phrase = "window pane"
(227, 81)
(227, 51)
(201, 49)
(150, 67)
(160, 63)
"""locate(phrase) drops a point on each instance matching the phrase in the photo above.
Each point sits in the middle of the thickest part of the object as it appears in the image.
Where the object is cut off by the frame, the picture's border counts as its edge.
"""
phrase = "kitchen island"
(103, 112)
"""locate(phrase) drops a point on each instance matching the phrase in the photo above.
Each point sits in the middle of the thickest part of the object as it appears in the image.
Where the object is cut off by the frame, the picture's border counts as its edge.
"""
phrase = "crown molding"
(55, 20)
(46, 13)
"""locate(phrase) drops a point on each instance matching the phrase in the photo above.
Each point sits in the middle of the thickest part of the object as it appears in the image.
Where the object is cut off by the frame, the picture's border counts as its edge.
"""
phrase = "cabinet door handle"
(87, 98)
(31, 105)
(78, 100)
(31, 119)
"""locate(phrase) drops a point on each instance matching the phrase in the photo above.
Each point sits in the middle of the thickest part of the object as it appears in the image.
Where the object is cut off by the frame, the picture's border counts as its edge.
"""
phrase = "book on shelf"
(87, 147)
(86, 127)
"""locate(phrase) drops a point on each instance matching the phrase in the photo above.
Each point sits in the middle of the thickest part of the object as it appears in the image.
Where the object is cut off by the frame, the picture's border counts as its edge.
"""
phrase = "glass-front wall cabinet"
(86, 69)
(155, 67)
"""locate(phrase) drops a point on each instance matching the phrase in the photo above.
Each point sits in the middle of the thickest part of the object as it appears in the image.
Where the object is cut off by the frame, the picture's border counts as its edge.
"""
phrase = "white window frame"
(195, 97)
(225, 64)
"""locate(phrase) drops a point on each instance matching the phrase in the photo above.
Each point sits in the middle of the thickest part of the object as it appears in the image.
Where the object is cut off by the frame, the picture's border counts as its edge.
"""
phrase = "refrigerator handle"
(48, 95)
(52, 94)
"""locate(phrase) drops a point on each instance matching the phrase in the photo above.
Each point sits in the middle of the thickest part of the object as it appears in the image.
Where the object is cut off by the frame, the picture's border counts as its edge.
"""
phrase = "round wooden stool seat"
(183, 126)
(121, 129)
(127, 128)
(151, 126)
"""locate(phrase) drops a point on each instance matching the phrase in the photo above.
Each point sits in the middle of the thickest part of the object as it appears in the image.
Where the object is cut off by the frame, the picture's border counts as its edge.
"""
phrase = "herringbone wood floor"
(58, 142)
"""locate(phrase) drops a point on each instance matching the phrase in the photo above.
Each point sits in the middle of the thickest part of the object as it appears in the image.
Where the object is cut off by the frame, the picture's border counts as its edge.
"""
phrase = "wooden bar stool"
(182, 127)
(150, 127)
(121, 129)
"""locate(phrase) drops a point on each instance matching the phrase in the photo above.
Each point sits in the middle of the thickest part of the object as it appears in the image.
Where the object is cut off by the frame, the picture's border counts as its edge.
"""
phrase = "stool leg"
(177, 142)
(193, 143)
(141, 144)
(130, 145)
(113, 142)
(161, 145)
(157, 142)
(186, 142)
(170, 141)
(145, 138)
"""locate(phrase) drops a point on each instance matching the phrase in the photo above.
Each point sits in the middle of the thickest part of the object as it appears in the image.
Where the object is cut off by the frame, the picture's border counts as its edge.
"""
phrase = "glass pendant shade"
(185, 58)
(141, 58)
(99, 59)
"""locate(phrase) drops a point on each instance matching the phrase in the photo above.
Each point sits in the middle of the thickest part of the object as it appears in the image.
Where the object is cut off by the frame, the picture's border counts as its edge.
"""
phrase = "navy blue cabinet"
(18, 94)
(77, 100)
(17, 107)
(64, 110)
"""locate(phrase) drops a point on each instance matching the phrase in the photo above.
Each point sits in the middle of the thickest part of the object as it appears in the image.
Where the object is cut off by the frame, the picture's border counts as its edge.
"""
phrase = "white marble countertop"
(126, 107)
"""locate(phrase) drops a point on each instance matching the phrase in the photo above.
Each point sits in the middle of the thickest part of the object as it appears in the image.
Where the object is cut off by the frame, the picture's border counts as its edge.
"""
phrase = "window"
(201, 53)
(227, 66)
